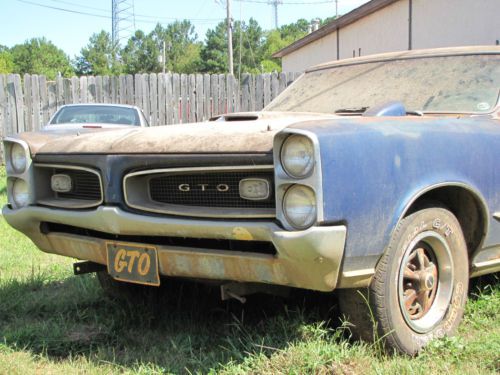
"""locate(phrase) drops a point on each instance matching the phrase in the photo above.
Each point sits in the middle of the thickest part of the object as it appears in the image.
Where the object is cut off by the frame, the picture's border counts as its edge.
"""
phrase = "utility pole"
(230, 37)
(275, 4)
(336, 9)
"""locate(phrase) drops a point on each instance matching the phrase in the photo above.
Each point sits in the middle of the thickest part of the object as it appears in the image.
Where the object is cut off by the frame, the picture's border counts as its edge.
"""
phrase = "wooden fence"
(28, 102)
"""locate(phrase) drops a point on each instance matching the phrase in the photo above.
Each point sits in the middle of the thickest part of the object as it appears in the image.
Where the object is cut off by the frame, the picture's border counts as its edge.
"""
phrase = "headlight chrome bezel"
(15, 195)
(310, 220)
(285, 161)
(16, 174)
(284, 181)
(17, 147)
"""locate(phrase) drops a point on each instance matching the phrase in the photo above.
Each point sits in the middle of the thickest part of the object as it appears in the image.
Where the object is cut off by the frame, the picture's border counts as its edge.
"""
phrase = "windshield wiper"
(353, 110)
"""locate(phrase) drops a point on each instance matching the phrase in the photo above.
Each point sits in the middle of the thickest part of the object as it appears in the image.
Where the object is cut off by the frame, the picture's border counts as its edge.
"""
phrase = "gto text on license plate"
(133, 263)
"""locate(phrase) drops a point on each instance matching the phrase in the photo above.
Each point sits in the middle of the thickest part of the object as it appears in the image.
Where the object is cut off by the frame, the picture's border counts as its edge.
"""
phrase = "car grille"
(199, 192)
(203, 190)
(86, 190)
(86, 185)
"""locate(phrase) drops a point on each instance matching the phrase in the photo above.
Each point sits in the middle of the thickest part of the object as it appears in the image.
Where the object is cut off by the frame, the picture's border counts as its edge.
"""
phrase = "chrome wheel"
(425, 282)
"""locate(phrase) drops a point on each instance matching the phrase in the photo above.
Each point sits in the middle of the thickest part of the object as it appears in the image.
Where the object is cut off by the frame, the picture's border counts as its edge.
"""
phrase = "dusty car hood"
(230, 136)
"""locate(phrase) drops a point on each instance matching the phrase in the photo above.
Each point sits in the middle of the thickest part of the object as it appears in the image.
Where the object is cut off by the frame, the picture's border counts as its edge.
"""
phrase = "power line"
(290, 2)
(108, 15)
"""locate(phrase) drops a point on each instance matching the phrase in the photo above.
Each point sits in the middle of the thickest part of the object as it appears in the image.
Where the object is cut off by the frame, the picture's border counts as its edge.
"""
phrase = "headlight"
(299, 206)
(18, 158)
(297, 156)
(20, 193)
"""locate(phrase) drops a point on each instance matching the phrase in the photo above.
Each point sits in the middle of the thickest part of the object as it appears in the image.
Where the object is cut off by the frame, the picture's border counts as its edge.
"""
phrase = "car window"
(468, 84)
(96, 115)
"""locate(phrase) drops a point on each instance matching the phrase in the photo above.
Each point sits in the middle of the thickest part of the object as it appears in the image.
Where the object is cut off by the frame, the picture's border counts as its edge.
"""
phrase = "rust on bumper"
(307, 259)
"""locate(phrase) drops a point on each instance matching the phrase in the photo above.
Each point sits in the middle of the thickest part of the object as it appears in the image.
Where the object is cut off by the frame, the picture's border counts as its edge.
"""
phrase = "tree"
(40, 56)
(140, 55)
(6, 62)
(247, 43)
(182, 48)
(99, 57)
(279, 39)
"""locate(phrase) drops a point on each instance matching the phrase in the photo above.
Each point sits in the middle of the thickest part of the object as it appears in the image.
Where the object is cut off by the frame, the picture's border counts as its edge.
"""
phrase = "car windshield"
(464, 84)
(96, 114)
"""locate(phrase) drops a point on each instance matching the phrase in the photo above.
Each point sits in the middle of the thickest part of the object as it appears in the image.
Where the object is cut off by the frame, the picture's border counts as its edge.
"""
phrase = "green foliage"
(181, 47)
(140, 55)
(6, 62)
(52, 322)
(40, 56)
(99, 57)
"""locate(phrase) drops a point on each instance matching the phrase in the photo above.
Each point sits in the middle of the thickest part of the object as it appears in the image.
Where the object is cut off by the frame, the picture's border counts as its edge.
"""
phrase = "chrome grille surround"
(87, 190)
(141, 195)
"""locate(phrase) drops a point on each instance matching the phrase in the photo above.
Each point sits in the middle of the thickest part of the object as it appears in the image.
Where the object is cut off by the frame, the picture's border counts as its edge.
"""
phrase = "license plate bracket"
(133, 263)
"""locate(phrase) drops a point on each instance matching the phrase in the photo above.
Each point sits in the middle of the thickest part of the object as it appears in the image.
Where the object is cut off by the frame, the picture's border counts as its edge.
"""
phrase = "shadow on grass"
(188, 328)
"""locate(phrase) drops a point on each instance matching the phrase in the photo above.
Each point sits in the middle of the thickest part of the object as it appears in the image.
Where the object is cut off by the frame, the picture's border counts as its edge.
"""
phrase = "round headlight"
(297, 156)
(20, 193)
(299, 206)
(18, 158)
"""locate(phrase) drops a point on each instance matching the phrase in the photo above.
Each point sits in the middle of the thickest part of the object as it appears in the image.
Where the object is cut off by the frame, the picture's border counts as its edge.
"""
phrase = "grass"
(52, 322)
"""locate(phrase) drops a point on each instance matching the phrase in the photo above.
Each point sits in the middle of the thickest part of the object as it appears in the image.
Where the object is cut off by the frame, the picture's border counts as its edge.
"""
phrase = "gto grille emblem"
(203, 187)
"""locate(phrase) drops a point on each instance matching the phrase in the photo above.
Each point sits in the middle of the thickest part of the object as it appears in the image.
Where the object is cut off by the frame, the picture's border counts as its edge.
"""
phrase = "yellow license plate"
(133, 263)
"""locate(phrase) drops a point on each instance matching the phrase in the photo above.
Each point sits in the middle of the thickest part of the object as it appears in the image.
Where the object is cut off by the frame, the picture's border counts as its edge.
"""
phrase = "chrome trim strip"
(483, 268)
(198, 211)
(88, 204)
(496, 215)
(283, 181)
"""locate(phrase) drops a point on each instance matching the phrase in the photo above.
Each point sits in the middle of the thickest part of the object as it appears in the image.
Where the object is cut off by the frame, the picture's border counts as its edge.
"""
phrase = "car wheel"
(420, 284)
(128, 292)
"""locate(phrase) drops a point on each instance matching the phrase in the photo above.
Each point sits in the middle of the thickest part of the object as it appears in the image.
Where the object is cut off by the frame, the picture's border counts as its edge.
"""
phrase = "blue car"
(375, 177)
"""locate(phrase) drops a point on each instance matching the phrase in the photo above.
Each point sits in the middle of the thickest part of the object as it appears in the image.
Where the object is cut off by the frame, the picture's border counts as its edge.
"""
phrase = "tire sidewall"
(444, 223)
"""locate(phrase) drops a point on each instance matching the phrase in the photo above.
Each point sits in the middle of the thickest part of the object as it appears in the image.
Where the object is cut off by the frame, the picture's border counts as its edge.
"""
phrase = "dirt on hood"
(228, 135)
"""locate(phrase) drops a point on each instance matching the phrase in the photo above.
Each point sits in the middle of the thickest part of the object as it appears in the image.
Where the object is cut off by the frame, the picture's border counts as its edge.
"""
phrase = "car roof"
(401, 55)
(100, 105)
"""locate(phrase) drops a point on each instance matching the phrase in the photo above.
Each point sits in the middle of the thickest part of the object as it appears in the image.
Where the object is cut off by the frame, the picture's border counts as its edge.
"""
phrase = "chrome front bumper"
(309, 259)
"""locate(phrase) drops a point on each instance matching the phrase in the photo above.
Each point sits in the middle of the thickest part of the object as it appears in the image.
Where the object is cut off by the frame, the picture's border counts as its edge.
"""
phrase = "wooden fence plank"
(75, 89)
(162, 104)
(91, 90)
(122, 89)
(214, 106)
(245, 92)
(222, 94)
(206, 93)
(192, 98)
(130, 93)
(68, 92)
(28, 104)
(184, 98)
(11, 100)
(83, 90)
(60, 92)
(171, 107)
(106, 90)
(153, 98)
(199, 98)
(19, 103)
(145, 96)
(259, 93)
(44, 99)
(3, 108)
(35, 97)
(52, 94)
(176, 94)
(267, 89)
(98, 90)
(274, 85)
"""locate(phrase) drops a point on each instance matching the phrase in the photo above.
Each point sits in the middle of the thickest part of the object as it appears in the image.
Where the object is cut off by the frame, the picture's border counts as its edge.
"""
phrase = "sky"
(70, 30)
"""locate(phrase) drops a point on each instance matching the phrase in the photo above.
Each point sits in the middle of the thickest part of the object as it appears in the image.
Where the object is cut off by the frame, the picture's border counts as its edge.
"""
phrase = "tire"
(420, 285)
(131, 293)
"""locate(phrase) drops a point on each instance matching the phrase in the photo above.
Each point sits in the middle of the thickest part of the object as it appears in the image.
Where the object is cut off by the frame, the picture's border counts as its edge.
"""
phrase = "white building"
(396, 25)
